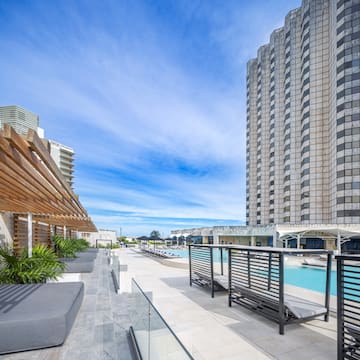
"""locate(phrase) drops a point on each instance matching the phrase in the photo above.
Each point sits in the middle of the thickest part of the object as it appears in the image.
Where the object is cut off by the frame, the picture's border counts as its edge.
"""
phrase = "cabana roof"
(31, 182)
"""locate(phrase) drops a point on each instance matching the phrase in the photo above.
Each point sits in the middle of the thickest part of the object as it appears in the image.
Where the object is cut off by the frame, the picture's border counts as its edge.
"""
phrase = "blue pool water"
(301, 276)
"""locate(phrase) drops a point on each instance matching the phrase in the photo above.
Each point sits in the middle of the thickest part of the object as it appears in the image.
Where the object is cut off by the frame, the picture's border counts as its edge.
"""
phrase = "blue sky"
(151, 96)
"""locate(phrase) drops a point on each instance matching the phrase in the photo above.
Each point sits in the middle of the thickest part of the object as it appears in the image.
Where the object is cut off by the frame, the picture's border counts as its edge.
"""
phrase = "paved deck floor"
(211, 330)
(100, 329)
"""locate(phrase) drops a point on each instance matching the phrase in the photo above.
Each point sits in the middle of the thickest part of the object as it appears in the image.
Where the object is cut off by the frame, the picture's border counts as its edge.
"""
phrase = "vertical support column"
(205, 239)
(190, 265)
(212, 271)
(30, 234)
(229, 275)
(338, 243)
(253, 241)
(327, 288)
(281, 294)
(298, 237)
(64, 231)
(215, 239)
(222, 261)
(340, 308)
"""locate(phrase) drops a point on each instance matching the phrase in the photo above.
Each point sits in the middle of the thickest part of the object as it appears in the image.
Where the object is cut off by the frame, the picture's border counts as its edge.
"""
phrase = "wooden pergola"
(33, 188)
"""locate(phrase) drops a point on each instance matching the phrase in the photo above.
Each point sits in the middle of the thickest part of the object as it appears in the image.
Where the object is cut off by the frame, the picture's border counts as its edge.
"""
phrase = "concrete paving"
(209, 329)
(100, 329)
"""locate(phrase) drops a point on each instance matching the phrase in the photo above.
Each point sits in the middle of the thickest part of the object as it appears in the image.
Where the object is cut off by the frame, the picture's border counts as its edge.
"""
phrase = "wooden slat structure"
(31, 182)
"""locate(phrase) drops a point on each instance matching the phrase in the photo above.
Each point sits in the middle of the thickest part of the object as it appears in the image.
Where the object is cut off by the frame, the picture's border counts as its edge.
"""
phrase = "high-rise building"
(303, 119)
(64, 159)
(20, 119)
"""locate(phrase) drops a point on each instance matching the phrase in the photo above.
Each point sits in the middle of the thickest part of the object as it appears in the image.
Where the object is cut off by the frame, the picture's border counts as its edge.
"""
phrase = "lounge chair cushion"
(222, 280)
(86, 255)
(303, 308)
(78, 265)
(298, 307)
(34, 316)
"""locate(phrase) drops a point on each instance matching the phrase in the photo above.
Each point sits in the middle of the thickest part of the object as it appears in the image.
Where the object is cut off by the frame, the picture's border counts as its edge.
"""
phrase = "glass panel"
(115, 268)
(154, 338)
(163, 344)
(139, 315)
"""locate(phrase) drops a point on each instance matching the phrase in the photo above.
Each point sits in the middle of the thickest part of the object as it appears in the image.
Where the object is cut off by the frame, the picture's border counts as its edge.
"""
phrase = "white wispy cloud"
(157, 135)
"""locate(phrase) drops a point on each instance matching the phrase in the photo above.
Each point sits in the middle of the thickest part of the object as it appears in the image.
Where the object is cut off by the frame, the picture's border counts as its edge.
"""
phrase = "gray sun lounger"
(86, 255)
(78, 265)
(294, 308)
(35, 316)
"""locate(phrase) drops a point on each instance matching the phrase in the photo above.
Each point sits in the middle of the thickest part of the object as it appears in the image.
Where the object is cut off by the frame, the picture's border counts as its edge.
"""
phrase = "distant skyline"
(150, 95)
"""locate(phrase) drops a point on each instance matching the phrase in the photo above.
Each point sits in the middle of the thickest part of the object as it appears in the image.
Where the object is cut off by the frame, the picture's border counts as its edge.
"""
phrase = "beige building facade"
(20, 119)
(303, 119)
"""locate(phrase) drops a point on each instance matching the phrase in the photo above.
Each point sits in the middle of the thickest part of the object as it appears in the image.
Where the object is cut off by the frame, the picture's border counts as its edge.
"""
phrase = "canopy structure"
(31, 182)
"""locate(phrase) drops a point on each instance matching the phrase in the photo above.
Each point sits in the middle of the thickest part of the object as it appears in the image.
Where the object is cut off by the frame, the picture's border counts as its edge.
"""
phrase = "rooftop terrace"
(208, 328)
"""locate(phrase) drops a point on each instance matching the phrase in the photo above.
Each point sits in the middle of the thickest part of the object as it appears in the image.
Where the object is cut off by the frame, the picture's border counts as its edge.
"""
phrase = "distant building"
(303, 119)
(64, 159)
(20, 119)
(102, 237)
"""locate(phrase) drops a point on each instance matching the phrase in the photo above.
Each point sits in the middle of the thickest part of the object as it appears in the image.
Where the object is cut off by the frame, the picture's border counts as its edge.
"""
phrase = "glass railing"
(115, 271)
(153, 338)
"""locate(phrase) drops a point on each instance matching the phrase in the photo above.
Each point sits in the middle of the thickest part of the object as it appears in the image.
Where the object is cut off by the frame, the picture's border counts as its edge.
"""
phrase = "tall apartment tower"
(64, 159)
(303, 119)
(20, 119)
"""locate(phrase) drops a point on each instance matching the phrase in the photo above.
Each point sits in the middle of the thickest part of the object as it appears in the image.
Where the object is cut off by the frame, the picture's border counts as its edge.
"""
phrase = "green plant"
(43, 265)
(68, 247)
(64, 247)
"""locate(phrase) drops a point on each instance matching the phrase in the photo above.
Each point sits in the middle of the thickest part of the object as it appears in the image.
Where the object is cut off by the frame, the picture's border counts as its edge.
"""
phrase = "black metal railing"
(259, 272)
(348, 306)
(201, 266)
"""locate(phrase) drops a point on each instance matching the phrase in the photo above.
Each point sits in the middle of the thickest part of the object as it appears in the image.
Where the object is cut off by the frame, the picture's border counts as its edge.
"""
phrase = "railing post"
(269, 271)
(248, 269)
(229, 274)
(328, 283)
(221, 259)
(190, 278)
(281, 294)
(212, 271)
(340, 312)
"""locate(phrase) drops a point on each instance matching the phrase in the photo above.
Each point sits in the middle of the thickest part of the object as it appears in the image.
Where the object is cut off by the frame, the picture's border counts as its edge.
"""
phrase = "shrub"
(42, 266)
(66, 248)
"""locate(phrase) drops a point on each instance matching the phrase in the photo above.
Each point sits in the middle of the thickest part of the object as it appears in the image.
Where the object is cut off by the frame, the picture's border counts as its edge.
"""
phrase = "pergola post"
(338, 242)
(298, 237)
(64, 231)
(29, 228)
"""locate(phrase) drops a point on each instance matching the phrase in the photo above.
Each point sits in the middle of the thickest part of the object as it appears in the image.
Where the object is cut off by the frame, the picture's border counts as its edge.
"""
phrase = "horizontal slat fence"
(256, 272)
(201, 266)
(348, 312)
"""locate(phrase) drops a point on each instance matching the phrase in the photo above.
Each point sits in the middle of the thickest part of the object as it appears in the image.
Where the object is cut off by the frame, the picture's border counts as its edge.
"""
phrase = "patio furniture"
(35, 316)
(78, 265)
(256, 281)
(201, 268)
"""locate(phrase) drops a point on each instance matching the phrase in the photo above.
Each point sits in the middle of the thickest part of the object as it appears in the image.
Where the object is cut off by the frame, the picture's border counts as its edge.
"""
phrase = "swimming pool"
(301, 276)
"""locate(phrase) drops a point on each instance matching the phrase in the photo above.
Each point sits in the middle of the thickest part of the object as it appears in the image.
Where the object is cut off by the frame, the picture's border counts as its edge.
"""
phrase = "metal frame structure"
(348, 306)
(201, 267)
(256, 279)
